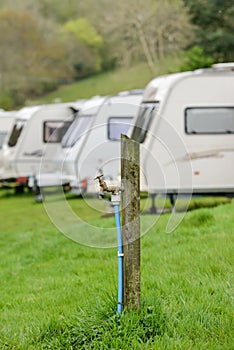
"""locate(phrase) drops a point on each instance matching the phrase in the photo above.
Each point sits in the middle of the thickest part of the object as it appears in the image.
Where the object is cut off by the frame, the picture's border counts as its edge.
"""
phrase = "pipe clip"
(120, 254)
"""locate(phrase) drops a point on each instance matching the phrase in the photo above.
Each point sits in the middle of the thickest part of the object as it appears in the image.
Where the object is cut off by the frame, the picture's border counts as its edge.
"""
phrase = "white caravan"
(186, 129)
(92, 143)
(33, 140)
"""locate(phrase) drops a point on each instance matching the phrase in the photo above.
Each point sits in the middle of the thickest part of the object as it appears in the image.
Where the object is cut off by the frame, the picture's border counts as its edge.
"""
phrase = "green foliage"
(60, 11)
(195, 58)
(6, 101)
(84, 32)
(29, 64)
(214, 27)
(83, 46)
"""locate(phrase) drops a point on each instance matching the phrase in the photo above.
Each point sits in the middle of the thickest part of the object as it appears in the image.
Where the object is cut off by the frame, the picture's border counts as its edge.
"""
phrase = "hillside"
(109, 83)
(47, 43)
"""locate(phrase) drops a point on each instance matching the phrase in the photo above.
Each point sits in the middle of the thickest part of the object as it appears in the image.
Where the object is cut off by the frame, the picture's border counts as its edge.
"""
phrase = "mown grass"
(111, 83)
(56, 294)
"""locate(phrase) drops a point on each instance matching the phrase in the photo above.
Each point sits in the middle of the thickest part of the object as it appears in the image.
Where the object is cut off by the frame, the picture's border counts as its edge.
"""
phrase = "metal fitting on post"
(115, 199)
(114, 190)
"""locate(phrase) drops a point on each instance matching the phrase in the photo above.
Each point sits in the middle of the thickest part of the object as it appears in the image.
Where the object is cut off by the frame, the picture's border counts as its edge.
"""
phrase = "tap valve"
(114, 190)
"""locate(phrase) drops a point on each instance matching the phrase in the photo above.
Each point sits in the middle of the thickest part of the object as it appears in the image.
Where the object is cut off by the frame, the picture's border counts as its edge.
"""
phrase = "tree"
(28, 64)
(148, 30)
(214, 27)
(57, 11)
(83, 45)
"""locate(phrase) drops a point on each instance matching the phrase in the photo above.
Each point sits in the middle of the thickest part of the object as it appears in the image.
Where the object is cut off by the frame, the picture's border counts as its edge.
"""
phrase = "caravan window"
(206, 120)
(79, 126)
(144, 120)
(54, 131)
(2, 137)
(117, 126)
(16, 131)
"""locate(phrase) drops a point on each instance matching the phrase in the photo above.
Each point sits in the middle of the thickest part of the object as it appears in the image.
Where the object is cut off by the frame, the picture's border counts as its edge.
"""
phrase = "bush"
(195, 58)
(6, 101)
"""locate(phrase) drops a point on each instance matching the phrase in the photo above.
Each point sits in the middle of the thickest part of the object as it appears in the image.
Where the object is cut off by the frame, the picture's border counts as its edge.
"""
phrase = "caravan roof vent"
(224, 66)
(131, 92)
(123, 93)
(136, 92)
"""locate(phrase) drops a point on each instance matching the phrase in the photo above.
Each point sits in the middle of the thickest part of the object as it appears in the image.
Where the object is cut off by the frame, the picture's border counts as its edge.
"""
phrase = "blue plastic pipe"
(120, 260)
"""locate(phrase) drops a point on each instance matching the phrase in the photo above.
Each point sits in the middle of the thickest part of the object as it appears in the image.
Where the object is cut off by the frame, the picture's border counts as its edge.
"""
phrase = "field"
(59, 294)
(110, 83)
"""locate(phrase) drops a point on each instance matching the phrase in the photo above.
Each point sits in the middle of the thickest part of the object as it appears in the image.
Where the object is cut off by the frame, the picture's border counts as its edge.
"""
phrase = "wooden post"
(130, 176)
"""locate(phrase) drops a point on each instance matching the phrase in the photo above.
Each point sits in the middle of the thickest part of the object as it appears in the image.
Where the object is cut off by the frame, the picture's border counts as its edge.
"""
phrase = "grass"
(56, 294)
(110, 83)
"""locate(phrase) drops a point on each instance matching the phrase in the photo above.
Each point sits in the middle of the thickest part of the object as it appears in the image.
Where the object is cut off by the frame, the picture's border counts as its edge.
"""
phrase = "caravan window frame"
(59, 139)
(77, 130)
(199, 131)
(110, 133)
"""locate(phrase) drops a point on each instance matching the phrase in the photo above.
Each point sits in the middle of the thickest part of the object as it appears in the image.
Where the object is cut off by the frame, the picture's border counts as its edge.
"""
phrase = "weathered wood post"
(130, 176)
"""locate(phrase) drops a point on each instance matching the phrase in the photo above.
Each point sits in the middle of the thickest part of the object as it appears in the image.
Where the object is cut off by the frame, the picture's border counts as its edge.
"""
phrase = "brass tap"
(105, 188)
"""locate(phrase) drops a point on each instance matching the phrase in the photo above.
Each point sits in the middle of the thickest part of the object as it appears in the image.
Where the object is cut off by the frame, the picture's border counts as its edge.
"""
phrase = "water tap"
(114, 190)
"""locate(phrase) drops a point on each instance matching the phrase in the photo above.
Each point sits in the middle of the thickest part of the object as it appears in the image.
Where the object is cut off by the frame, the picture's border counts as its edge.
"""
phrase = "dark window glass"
(144, 119)
(209, 120)
(117, 126)
(16, 131)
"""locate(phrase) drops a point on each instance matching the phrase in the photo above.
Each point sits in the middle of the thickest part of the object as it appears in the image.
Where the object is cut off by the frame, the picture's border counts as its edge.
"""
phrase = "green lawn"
(57, 294)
